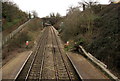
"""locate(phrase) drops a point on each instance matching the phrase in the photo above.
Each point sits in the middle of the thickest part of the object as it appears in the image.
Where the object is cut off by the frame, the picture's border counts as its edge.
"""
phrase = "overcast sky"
(45, 7)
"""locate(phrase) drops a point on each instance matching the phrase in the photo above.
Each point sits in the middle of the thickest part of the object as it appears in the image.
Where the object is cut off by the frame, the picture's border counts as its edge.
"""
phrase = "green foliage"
(106, 45)
(27, 34)
(20, 40)
(12, 15)
(53, 18)
(78, 23)
(98, 32)
(10, 24)
(97, 8)
(79, 41)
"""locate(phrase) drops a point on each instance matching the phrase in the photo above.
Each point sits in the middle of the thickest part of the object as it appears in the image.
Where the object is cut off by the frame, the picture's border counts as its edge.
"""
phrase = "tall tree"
(52, 15)
(72, 9)
(29, 15)
(87, 4)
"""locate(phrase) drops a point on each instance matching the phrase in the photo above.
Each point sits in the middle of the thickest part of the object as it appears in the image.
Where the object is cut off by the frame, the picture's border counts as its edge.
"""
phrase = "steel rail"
(61, 55)
(17, 76)
(54, 59)
(36, 56)
(42, 64)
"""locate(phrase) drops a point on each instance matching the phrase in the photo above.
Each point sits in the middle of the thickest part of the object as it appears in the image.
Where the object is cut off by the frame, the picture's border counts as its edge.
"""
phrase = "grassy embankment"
(12, 17)
(30, 33)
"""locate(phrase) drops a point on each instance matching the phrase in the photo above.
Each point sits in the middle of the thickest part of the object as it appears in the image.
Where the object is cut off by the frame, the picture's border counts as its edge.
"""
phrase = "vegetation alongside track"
(12, 16)
(29, 33)
(97, 29)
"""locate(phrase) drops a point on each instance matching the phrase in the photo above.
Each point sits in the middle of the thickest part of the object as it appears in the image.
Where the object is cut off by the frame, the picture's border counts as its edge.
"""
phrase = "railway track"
(48, 62)
(31, 63)
(62, 70)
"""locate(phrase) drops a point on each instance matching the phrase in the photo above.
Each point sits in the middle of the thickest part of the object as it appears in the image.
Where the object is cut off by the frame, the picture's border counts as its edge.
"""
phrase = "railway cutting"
(48, 61)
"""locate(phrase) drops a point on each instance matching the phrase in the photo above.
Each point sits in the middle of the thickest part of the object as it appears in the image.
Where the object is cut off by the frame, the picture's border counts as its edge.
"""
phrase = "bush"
(34, 25)
(99, 34)
(20, 40)
(12, 15)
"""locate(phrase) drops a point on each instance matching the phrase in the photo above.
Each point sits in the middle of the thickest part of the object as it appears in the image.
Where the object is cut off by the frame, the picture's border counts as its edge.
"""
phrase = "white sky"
(45, 7)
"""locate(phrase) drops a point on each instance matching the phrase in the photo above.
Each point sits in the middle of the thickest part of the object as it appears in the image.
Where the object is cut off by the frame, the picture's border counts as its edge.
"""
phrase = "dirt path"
(10, 69)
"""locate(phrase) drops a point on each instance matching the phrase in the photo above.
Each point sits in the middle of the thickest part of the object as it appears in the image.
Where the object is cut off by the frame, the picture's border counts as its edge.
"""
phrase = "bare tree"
(29, 15)
(52, 14)
(58, 15)
(72, 9)
(87, 4)
(34, 14)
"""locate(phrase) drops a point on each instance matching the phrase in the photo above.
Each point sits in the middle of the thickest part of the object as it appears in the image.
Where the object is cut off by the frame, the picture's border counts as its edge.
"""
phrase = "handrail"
(99, 63)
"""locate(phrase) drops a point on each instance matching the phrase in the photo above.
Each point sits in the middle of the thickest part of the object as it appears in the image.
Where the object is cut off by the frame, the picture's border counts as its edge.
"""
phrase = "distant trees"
(34, 13)
(29, 15)
(52, 15)
(58, 15)
(82, 20)
(54, 18)
(87, 4)
(79, 22)
(72, 9)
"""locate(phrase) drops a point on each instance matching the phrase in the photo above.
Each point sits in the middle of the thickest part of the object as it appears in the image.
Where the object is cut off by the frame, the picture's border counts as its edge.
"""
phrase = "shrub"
(20, 40)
